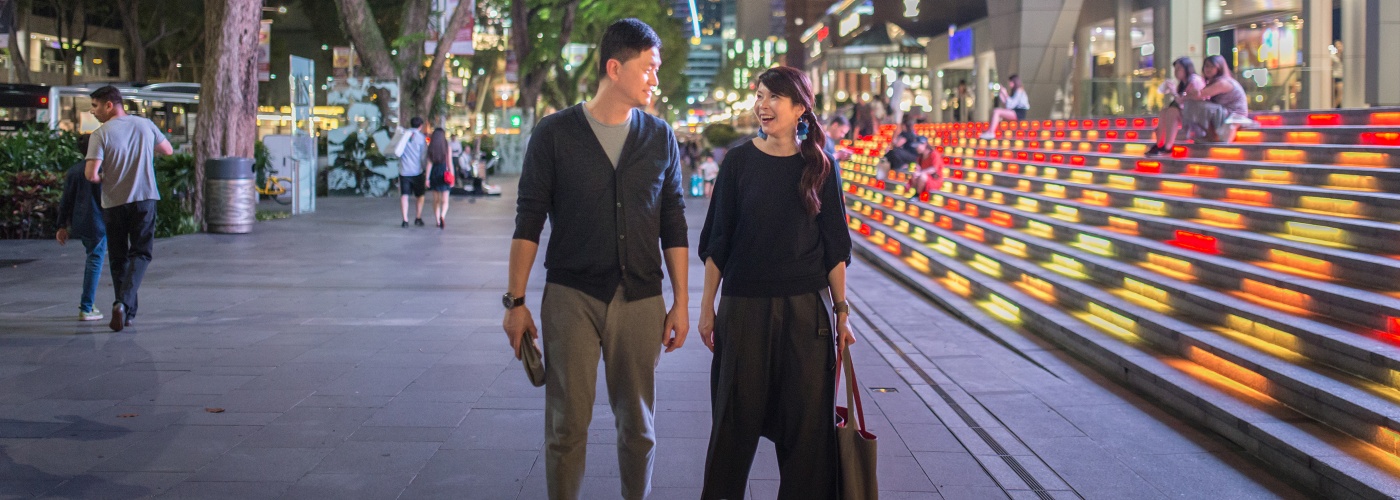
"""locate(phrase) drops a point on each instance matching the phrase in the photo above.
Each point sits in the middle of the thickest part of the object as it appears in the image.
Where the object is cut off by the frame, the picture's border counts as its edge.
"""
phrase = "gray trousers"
(576, 329)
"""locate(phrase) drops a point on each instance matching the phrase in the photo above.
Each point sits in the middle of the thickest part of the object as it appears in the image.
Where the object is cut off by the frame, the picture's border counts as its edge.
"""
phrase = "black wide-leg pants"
(773, 376)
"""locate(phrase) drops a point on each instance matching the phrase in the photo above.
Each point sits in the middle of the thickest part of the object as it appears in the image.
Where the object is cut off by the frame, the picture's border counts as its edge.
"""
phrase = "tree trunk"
(410, 59)
(135, 47)
(228, 94)
(16, 55)
(361, 25)
(439, 66)
(532, 81)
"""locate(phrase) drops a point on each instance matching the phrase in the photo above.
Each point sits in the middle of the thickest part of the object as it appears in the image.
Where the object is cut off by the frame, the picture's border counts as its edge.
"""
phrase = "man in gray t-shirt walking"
(121, 156)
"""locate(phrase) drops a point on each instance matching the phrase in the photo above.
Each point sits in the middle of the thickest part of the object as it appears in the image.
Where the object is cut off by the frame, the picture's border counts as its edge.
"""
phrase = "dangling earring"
(761, 134)
(801, 130)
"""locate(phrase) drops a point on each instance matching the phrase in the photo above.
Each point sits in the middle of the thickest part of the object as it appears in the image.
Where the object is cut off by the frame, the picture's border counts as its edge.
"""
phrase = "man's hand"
(843, 330)
(707, 327)
(677, 326)
(517, 323)
(62, 236)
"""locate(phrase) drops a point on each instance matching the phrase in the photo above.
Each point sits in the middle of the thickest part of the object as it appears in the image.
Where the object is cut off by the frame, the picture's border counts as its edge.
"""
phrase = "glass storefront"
(1108, 93)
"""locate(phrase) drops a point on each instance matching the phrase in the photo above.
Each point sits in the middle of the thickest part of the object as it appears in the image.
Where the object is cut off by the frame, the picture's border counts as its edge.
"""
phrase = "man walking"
(121, 157)
(80, 216)
(412, 177)
(608, 178)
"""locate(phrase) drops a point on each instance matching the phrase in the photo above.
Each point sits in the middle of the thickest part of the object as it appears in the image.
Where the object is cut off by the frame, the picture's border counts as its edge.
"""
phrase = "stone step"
(1185, 201)
(1315, 456)
(1264, 185)
(1216, 291)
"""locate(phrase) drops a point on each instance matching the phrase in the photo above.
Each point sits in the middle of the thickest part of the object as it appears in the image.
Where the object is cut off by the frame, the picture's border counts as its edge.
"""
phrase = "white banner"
(265, 51)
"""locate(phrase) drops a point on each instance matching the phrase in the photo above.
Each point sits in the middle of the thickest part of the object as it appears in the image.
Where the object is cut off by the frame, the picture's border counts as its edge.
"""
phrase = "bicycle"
(277, 188)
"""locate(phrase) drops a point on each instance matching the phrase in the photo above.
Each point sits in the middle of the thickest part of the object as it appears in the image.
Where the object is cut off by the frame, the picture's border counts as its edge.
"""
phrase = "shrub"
(720, 135)
(39, 149)
(175, 178)
(29, 203)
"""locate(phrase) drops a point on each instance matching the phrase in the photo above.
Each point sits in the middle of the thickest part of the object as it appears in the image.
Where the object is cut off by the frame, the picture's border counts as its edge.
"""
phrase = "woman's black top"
(759, 233)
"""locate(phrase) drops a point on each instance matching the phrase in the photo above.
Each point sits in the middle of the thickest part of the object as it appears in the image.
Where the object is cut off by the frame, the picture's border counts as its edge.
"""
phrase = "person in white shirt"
(709, 171)
(1014, 105)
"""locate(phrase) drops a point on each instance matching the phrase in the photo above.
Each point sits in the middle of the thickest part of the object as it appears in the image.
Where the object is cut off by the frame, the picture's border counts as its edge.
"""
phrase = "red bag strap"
(853, 404)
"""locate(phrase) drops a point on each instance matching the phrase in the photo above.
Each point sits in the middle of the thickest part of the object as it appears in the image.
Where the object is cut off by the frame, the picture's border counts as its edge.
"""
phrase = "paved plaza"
(336, 355)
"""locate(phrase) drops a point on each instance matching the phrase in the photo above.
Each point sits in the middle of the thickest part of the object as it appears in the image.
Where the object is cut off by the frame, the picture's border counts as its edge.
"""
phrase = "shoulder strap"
(855, 410)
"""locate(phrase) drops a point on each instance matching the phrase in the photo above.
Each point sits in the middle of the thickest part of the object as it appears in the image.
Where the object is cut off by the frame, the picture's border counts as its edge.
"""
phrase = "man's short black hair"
(415, 122)
(624, 40)
(839, 120)
(107, 93)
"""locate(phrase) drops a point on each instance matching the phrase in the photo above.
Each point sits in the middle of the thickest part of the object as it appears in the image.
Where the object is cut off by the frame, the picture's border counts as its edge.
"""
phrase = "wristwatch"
(841, 307)
(511, 301)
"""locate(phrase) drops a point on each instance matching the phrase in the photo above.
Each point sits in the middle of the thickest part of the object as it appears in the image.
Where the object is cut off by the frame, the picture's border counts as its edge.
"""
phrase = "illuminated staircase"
(1253, 287)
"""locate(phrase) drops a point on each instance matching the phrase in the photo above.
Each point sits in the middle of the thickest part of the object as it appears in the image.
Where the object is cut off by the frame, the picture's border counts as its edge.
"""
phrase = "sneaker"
(1242, 121)
(988, 135)
(92, 315)
(418, 222)
(1156, 151)
(405, 224)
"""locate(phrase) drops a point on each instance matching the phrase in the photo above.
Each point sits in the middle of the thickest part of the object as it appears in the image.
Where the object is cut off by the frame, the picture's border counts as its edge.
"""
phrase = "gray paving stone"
(488, 473)
(403, 434)
(341, 486)
(192, 490)
(116, 485)
(376, 458)
(344, 355)
(176, 449)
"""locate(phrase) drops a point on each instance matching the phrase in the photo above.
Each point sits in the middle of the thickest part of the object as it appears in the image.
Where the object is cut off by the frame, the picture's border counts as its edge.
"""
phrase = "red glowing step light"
(1149, 167)
(1197, 242)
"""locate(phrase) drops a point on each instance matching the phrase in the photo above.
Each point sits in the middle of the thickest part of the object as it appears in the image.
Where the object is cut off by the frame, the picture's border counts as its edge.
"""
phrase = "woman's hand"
(843, 331)
(707, 327)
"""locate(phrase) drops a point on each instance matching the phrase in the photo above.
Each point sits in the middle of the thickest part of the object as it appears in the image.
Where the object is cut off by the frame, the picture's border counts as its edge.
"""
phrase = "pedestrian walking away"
(412, 178)
(607, 177)
(776, 239)
(121, 157)
(440, 156)
(80, 216)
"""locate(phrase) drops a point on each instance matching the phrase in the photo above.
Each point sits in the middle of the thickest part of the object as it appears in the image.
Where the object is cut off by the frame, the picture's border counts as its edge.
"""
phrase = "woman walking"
(440, 155)
(776, 238)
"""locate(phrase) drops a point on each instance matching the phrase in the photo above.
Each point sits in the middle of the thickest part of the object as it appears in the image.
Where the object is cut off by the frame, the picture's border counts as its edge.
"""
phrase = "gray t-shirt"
(612, 137)
(125, 147)
(411, 163)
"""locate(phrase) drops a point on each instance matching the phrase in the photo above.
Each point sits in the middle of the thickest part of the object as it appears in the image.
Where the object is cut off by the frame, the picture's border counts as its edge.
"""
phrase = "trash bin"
(230, 195)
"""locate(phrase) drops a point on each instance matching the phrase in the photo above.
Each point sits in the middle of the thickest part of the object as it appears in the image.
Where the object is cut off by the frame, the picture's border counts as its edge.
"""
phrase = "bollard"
(230, 195)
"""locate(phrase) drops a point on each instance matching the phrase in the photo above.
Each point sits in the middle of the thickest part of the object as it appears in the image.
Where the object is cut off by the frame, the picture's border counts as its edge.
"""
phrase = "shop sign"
(960, 44)
(849, 24)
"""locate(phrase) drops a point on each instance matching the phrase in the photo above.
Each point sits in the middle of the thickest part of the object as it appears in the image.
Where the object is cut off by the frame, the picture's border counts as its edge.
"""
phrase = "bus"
(171, 106)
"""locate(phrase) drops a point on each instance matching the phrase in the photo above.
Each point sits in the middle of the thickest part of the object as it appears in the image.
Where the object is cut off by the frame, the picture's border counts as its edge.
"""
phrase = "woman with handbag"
(776, 238)
(441, 177)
